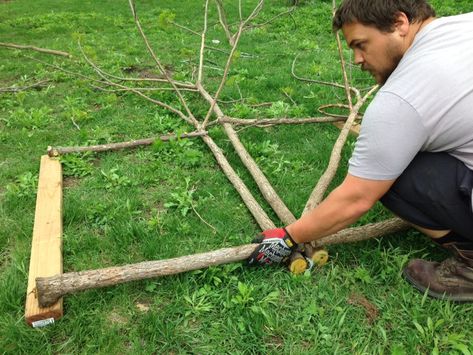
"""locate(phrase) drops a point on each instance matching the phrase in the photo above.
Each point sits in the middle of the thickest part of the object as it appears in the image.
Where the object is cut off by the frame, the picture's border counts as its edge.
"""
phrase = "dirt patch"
(371, 310)
(70, 181)
(116, 318)
(148, 72)
(143, 307)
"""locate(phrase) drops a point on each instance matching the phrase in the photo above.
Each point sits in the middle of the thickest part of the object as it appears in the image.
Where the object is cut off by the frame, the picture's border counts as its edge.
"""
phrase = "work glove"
(276, 245)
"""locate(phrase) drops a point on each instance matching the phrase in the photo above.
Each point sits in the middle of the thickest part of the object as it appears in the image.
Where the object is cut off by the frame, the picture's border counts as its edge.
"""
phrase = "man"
(415, 149)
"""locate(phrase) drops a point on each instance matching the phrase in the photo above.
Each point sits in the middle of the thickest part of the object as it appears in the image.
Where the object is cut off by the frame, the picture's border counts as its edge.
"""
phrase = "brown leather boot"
(451, 279)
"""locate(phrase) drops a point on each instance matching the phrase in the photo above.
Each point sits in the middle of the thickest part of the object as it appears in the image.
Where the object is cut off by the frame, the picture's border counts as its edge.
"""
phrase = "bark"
(278, 121)
(368, 231)
(50, 289)
(56, 151)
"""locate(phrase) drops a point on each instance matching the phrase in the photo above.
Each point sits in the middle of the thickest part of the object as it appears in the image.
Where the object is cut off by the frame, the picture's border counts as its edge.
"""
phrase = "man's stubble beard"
(394, 53)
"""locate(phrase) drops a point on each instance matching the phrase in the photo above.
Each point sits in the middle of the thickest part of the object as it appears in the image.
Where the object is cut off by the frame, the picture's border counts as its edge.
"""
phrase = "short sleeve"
(391, 135)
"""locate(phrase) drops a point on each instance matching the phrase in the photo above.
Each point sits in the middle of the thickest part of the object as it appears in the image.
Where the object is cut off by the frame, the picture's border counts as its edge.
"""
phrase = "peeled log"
(50, 289)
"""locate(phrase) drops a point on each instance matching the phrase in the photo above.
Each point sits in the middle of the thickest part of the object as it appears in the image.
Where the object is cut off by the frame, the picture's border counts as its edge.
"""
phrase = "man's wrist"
(290, 231)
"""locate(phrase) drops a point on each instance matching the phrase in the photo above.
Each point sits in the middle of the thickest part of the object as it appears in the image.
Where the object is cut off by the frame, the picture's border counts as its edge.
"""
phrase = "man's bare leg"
(432, 233)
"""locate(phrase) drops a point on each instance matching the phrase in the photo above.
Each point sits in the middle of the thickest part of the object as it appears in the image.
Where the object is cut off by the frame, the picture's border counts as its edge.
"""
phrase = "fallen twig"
(38, 49)
(23, 88)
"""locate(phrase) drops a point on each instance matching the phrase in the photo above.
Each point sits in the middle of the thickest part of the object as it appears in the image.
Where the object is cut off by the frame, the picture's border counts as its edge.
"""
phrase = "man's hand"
(276, 246)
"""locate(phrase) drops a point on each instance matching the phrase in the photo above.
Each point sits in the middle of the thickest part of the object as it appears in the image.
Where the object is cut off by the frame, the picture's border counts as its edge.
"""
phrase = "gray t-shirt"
(425, 105)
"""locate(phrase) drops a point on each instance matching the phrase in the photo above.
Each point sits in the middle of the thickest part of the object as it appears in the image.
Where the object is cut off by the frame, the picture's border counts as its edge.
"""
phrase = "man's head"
(381, 31)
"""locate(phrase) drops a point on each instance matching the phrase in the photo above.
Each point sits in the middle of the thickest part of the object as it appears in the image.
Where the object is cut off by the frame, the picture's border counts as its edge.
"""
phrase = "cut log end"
(52, 152)
(46, 293)
(317, 255)
(297, 263)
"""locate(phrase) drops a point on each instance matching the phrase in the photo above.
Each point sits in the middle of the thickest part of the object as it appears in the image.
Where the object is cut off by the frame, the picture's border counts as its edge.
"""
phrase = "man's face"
(375, 51)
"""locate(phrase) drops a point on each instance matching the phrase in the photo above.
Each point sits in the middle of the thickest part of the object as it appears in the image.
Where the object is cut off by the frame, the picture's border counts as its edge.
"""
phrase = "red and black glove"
(276, 245)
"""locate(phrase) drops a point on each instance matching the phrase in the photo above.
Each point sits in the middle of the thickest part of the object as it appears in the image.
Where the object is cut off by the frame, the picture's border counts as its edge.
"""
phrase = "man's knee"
(434, 192)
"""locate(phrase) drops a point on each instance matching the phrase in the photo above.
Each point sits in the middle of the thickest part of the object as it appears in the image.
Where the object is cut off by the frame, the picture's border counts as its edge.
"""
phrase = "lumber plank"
(355, 129)
(46, 246)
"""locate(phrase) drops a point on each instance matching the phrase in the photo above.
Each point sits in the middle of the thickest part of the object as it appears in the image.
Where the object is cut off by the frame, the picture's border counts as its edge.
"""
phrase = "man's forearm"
(348, 202)
(336, 212)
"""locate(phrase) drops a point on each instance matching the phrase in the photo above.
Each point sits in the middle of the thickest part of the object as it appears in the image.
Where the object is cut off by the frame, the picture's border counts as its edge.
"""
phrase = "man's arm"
(348, 202)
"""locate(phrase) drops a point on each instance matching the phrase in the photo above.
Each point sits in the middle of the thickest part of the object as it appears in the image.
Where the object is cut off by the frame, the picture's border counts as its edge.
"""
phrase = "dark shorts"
(434, 192)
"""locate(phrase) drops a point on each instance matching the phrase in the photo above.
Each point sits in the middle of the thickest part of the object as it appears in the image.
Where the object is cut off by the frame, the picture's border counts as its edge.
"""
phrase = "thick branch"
(323, 183)
(277, 121)
(264, 185)
(258, 213)
(38, 49)
(368, 231)
(56, 151)
(50, 289)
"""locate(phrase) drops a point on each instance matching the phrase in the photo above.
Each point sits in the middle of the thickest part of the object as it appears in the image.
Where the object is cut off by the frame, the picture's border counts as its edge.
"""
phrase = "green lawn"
(142, 204)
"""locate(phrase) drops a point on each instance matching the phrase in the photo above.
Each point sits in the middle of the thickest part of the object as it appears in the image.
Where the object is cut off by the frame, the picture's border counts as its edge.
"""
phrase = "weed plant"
(135, 205)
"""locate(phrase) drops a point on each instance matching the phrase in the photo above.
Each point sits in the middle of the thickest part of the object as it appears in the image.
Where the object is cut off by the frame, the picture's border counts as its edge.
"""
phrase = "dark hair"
(380, 13)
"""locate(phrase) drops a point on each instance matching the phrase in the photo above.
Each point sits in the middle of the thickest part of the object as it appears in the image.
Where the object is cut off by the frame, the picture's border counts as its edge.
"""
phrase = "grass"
(136, 205)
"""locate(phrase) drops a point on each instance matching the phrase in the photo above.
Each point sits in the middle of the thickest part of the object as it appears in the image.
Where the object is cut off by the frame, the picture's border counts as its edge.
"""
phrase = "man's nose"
(359, 59)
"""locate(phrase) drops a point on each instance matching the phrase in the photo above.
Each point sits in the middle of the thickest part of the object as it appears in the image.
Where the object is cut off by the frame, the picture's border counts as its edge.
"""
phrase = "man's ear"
(401, 24)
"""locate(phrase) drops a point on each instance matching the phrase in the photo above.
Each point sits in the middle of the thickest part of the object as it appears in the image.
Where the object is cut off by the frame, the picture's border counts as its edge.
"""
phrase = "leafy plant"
(165, 19)
(74, 109)
(34, 118)
(182, 199)
(180, 151)
(199, 301)
(78, 165)
(114, 180)
(25, 185)
(279, 109)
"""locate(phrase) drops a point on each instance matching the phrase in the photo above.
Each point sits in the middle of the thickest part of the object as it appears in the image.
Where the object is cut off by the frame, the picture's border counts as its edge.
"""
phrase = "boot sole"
(441, 296)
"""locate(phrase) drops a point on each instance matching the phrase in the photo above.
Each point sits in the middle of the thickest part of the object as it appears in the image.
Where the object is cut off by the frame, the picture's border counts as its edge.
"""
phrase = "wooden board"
(355, 129)
(46, 247)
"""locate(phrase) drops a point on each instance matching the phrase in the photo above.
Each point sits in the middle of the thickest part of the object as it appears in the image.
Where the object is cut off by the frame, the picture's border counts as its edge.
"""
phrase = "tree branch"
(38, 49)
(23, 88)
(325, 180)
(160, 66)
(56, 151)
(257, 122)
